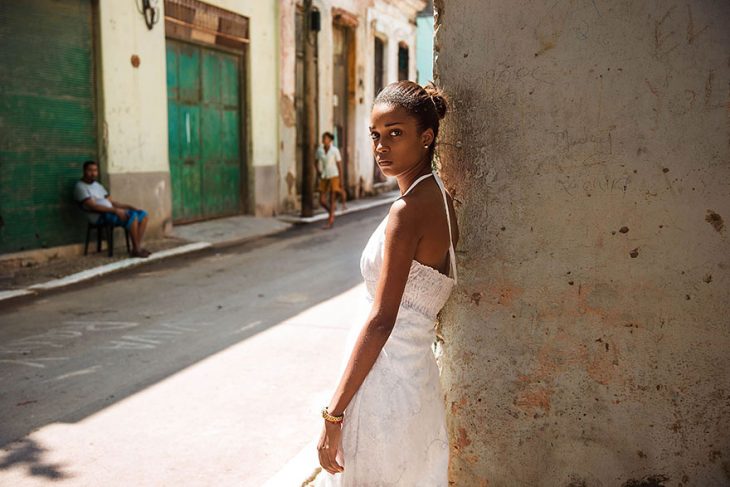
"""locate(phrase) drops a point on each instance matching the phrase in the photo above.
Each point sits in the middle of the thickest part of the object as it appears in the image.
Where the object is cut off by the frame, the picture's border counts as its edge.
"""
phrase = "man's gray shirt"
(96, 192)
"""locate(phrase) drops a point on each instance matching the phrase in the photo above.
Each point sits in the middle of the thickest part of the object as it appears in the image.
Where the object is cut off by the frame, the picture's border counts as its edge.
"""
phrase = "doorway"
(204, 124)
(299, 95)
(343, 98)
(378, 84)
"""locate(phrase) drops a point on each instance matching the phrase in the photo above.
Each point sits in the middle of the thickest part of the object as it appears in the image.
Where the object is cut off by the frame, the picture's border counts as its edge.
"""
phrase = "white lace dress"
(394, 433)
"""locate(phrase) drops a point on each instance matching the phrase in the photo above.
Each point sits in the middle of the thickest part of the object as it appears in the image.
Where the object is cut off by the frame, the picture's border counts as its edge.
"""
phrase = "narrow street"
(205, 370)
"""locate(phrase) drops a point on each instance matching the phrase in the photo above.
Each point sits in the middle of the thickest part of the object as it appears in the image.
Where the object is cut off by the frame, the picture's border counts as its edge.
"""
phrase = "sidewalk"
(18, 279)
(220, 421)
(352, 206)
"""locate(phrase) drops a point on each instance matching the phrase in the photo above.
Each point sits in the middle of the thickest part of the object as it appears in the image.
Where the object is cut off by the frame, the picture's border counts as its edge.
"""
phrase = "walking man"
(329, 168)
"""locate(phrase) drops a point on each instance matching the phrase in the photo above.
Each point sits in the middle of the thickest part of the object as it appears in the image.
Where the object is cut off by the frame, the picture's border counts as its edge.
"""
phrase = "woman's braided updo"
(427, 105)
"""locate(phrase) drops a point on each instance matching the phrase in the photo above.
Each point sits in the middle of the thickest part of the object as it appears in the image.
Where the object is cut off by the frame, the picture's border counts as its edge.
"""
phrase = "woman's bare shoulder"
(426, 207)
(403, 213)
(425, 200)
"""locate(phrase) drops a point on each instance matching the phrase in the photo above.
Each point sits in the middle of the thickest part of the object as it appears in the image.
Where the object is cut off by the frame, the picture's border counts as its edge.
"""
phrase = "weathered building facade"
(197, 116)
(168, 111)
(205, 62)
(587, 147)
(361, 46)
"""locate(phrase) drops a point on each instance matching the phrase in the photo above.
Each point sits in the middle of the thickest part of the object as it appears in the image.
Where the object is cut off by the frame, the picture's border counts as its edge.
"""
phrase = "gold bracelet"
(332, 419)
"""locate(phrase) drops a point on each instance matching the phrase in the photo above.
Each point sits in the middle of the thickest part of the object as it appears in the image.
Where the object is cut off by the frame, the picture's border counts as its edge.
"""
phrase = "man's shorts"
(331, 184)
(113, 219)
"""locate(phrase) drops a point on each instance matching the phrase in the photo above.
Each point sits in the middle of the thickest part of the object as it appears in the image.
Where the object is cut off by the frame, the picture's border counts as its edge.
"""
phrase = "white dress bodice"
(427, 289)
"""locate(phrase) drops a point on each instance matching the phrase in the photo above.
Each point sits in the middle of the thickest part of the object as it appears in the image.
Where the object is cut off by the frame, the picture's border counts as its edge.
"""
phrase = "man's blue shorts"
(113, 219)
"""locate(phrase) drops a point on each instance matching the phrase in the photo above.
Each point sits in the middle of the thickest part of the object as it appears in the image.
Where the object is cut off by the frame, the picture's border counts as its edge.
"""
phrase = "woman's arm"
(401, 240)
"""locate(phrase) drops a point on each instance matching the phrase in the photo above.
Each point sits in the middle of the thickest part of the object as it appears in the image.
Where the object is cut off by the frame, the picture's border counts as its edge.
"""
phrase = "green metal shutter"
(47, 119)
(204, 121)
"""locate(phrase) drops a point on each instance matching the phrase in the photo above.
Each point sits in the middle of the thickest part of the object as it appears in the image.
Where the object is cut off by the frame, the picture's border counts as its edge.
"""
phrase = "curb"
(100, 271)
(222, 244)
(323, 216)
(300, 471)
(15, 293)
(95, 272)
(116, 266)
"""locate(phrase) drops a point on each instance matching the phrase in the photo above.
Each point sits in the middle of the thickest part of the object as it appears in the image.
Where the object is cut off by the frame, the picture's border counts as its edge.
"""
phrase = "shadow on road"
(69, 355)
(30, 454)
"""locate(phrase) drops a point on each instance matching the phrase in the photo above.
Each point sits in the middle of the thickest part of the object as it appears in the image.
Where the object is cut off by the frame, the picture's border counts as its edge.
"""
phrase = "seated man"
(94, 198)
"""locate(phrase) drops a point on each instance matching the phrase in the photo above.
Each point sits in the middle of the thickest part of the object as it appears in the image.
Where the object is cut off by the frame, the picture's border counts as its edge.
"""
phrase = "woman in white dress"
(385, 424)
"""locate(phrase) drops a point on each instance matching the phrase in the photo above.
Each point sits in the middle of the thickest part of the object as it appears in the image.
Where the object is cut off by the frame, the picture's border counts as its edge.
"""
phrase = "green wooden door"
(204, 131)
(47, 120)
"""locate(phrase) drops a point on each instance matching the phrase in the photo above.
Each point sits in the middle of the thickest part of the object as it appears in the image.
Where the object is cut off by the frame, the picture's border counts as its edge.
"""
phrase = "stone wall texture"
(588, 149)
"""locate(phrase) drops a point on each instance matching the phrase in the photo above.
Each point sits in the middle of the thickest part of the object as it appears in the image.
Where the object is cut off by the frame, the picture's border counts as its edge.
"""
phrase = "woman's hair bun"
(438, 99)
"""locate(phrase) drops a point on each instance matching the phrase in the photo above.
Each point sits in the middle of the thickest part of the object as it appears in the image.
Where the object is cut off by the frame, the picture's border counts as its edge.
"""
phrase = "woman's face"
(398, 144)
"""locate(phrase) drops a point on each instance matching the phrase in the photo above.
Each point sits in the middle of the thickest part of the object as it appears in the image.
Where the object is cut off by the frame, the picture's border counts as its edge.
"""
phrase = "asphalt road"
(195, 370)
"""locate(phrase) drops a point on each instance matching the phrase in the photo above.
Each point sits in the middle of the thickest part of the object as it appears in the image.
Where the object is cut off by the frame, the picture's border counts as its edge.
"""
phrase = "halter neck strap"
(452, 253)
(413, 185)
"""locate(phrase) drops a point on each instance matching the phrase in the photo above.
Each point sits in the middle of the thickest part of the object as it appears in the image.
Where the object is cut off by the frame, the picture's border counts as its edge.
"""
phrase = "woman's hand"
(329, 444)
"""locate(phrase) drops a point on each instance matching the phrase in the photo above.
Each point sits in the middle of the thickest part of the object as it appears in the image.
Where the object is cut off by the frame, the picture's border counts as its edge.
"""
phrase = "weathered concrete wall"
(588, 149)
(135, 108)
(287, 108)
(134, 150)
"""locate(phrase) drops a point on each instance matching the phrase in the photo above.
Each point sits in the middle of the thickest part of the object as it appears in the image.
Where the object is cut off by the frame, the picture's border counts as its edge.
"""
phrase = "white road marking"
(89, 370)
(247, 327)
(34, 362)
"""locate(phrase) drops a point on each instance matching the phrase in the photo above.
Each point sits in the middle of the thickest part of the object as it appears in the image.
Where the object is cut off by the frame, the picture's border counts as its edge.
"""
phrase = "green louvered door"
(47, 120)
(204, 131)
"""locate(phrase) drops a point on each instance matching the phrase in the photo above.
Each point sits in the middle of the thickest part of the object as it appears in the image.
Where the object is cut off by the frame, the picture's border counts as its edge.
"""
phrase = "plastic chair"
(102, 228)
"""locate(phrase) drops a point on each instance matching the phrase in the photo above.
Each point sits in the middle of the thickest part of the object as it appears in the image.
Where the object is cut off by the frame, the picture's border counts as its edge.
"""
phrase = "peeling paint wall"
(135, 115)
(287, 145)
(588, 149)
(133, 112)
